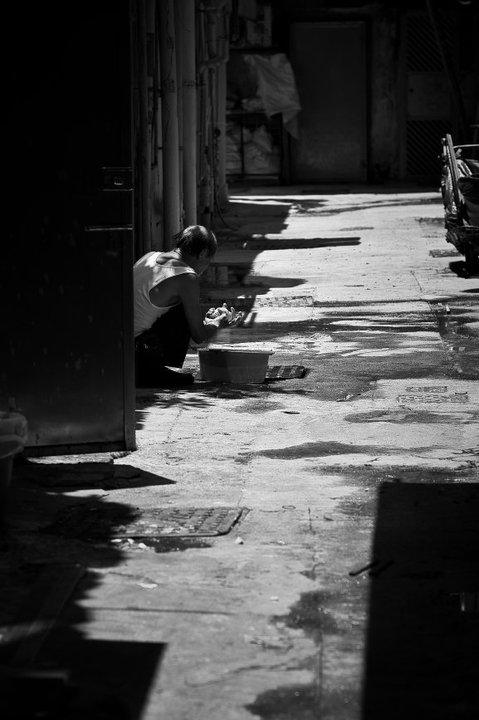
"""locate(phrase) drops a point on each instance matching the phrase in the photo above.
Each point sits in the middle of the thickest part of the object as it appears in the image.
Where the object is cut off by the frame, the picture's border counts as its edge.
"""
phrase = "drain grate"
(426, 389)
(285, 372)
(431, 394)
(443, 253)
(247, 303)
(285, 301)
(102, 522)
(459, 398)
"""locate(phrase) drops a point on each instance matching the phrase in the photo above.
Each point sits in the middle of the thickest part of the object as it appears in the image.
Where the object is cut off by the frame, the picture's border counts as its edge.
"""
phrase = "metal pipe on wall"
(203, 114)
(188, 92)
(169, 111)
(221, 95)
(154, 110)
(180, 50)
(144, 136)
(221, 184)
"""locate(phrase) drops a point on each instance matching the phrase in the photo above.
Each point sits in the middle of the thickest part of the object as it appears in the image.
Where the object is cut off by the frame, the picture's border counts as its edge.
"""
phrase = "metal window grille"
(422, 56)
(423, 147)
(422, 51)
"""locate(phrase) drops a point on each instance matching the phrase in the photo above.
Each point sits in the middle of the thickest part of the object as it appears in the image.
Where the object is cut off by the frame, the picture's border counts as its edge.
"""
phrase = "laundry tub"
(233, 365)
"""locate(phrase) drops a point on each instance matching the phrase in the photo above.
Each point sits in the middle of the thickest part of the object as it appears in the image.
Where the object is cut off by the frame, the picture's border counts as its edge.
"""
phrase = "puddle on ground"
(305, 702)
(308, 615)
(165, 545)
(457, 328)
(368, 475)
(431, 220)
(357, 507)
(408, 417)
(253, 407)
(323, 448)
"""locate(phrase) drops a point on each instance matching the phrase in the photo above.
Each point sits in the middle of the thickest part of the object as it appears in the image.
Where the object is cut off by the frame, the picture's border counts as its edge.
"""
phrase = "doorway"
(329, 62)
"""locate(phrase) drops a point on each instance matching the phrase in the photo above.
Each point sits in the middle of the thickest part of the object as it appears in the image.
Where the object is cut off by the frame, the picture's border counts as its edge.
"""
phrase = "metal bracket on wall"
(117, 178)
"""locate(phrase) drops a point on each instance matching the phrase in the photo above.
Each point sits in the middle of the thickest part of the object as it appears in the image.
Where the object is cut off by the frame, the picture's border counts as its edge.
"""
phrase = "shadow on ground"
(462, 269)
(49, 666)
(422, 655)
(75, 476)
(264, 216)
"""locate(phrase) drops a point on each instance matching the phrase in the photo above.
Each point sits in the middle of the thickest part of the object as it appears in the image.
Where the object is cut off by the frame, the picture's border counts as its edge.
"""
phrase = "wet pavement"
(347, 588)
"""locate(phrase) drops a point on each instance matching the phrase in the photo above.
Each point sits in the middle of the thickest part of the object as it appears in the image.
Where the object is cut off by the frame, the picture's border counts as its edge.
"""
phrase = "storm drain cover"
(102, 522)
(426, 389)
(285, 372)
(285, 301)
(443, 253)
(459, 398)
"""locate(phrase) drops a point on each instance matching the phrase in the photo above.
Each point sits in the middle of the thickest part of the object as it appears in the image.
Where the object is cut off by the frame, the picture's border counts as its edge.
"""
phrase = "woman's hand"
(222, 317)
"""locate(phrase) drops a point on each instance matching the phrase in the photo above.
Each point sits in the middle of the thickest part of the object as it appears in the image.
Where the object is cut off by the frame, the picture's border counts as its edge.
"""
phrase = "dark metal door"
(329, 62)
(67, 357)
(428, 111)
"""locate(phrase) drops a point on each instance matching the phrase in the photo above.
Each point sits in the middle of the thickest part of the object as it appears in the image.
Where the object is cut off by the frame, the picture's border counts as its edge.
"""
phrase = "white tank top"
(147, 273)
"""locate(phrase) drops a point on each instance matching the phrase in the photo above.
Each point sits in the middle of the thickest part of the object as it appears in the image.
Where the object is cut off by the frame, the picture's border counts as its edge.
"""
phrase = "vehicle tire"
(472, 259)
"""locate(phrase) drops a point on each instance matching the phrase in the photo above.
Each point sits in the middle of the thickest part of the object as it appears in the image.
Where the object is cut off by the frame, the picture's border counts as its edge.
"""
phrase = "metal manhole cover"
(101, 522)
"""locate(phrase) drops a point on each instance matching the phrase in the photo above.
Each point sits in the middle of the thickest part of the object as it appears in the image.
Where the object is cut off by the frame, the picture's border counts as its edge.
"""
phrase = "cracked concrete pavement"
(340, 593)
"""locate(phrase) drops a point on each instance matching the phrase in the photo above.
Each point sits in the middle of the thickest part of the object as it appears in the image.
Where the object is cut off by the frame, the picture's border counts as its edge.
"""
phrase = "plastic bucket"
(233, 366)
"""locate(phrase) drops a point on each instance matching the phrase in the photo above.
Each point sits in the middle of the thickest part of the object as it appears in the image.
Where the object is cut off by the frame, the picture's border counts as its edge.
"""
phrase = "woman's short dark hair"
(195, 238)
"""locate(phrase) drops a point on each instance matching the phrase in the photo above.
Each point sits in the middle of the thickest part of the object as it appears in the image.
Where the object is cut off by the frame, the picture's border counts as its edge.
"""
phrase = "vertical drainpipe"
(157, 142)
(144, 145)
(154, 119)
(221, 185)
(212, 32)
(134, 121)
(204, 214)
(169, 114)
(188, 44)
(179, 52)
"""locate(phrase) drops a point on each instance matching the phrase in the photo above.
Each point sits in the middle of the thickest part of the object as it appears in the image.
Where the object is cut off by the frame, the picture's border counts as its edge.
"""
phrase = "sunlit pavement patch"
(420, 421)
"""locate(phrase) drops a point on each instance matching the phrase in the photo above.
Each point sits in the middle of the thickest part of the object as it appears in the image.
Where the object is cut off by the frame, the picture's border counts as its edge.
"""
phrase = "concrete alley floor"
(348, 587)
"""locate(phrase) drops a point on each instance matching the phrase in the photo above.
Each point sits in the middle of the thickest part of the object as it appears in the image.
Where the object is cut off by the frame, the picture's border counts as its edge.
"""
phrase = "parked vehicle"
(460, 195)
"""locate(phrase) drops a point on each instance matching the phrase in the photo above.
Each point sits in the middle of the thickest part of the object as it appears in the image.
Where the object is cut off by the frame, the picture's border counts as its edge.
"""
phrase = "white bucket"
(233, 365)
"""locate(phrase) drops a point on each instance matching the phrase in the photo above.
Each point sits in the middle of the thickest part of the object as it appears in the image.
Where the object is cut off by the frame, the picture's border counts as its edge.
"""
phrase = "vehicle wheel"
(472, 259)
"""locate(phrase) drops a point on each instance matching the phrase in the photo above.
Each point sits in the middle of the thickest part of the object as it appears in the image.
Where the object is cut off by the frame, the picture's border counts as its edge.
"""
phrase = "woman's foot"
(165, 377)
